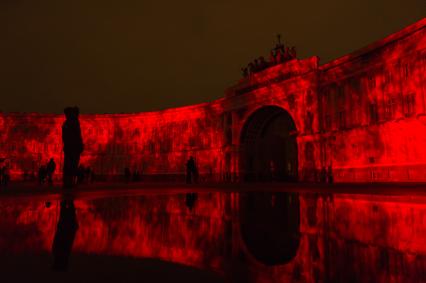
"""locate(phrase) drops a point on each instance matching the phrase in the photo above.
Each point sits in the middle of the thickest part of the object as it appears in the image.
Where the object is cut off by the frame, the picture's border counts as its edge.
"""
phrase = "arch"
(268, 143)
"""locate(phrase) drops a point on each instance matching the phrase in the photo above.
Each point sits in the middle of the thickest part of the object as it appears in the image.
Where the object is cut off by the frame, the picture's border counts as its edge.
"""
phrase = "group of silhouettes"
(73, 173)
(46, 172)
(278, 55)
(131, 177)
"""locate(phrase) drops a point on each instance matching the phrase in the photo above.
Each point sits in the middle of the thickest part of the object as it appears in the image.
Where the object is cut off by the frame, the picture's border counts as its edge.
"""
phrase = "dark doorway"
(269, 146)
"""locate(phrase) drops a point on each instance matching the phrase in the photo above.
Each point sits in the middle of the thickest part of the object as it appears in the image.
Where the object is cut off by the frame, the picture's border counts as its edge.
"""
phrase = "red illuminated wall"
(363, 114)
(154, 143)
(373, 111)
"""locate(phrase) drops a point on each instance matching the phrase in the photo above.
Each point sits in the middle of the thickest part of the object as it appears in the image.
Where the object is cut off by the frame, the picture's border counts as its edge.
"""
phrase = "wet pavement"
(214, 233)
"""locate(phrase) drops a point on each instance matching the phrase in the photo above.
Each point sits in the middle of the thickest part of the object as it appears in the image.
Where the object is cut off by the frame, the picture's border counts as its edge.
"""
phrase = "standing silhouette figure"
(50, 169)
(191, 171)
(73, 145)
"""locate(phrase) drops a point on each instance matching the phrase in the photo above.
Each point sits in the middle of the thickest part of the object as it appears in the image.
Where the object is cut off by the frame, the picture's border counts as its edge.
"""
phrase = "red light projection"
(155, 144)
(321, 237)
(362, 115)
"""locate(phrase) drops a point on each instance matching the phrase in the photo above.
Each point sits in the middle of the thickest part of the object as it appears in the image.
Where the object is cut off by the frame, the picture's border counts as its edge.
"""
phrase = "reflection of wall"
(153, 226)
(351, 238)
(364, 114)
(342, 238)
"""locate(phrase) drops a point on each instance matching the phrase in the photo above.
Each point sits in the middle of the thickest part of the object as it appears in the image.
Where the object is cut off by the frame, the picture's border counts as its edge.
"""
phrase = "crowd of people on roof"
(279, 54)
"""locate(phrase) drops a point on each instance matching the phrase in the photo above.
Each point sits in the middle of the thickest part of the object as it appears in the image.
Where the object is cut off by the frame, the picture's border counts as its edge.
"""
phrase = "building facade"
(361, 117)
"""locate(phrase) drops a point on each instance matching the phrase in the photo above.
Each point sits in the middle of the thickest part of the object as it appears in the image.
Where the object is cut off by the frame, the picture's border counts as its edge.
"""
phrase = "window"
(406, 70)
(151, 147)
(409, 104)
(390, 108)
(228, 135)
(371, 82)
(374, 114)
(387, 77)
(309, 121)
(327, 122)
(192, 141)
(136, 133)
(342, 119)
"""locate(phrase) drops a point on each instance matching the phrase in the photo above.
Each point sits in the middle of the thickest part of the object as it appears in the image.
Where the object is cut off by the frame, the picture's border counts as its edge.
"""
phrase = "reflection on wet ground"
(215, 237)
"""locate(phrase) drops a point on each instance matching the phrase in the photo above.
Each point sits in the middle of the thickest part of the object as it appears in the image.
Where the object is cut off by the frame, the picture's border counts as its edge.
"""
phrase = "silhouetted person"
(88, 174)
(64, 236)
(272, 60)
(244, 72)
(262, 62)
(5, 177)
(127, 175)
(251, 68)
(73, 145)
(25, 175)
(292, 52)
(279, 57)
(136, 176)
(50, 169)
(92, 176)
(330, 175)
(323, 175)
(282, 49)
(42, 172)
(190, 200)
(315, 175)
(191, 170)
(256, 65)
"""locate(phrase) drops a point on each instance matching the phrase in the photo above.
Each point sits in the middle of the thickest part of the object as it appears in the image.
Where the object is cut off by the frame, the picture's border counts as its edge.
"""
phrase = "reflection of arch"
(270, 226)
(269, 146)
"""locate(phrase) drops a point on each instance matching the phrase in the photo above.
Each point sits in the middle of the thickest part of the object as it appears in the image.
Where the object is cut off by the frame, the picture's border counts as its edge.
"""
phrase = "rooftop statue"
(279, 54)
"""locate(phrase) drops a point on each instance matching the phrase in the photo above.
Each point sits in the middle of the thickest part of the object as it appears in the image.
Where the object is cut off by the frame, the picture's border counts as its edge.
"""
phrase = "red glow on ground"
(366, 237)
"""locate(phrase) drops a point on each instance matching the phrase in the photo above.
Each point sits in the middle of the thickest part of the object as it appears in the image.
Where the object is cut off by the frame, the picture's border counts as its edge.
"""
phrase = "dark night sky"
(141, 55)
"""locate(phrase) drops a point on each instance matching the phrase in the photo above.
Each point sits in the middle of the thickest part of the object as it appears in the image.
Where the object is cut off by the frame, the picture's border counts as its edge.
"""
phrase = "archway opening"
(269, 147)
